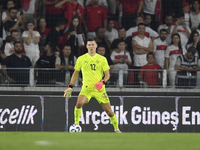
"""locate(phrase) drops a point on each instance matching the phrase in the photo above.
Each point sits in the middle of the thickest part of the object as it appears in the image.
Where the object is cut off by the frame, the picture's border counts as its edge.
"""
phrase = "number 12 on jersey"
(93, 66)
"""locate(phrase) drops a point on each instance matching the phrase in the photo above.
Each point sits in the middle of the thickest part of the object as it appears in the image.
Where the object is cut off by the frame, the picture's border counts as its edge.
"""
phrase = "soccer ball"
(75, 128)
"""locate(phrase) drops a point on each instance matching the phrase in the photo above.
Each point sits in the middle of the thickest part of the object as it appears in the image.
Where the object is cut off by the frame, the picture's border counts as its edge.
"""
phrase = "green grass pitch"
(98, 141)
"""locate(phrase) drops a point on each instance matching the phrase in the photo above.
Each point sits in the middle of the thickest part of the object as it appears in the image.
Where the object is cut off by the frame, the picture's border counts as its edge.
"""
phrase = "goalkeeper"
(92, 66)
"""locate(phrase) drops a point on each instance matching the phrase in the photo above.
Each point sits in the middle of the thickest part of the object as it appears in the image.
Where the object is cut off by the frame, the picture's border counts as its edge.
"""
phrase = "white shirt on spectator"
(81, 2)
(31, 9)
(140, 59)
(112, 35)
(148, 32)
(172, 52)
(119, 55)
(181, 31)
(8, 47)
(101, 2)
(149, 6)
(169, 34)
(195, 19)
(4, 16)
(32, 50)
(159, 51)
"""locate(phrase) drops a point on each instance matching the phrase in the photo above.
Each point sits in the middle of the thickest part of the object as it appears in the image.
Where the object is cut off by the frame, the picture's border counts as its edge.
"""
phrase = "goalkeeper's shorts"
(101, 96)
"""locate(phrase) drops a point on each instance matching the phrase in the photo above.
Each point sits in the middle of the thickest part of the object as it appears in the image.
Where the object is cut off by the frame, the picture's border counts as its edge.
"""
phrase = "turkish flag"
(26, 4)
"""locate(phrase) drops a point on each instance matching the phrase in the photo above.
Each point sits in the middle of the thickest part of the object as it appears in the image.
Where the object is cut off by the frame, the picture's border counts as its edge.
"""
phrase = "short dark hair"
(192, 50)
(91, 39)
(97, 29)
(121, 28)
(141, 24)
(66, 45)
(10, 9)
(9, 39)
(60, 22)
(163, 30)
(121, 41)
(169, 15)
(17, 42)
(150, 53)
(101, 45)
(179, 15)
(14, 31)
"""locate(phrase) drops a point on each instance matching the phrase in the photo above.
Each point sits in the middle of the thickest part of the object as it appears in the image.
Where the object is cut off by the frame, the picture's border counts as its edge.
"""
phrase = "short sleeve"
(58, 61)
(4, 16)
(78, 65)
(37, 34)
(167, 52)
(105, 64)
(25, 34)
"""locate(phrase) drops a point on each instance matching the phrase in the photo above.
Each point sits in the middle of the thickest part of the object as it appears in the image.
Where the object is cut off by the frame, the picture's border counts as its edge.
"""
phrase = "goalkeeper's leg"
(82, 99)
(112, 116)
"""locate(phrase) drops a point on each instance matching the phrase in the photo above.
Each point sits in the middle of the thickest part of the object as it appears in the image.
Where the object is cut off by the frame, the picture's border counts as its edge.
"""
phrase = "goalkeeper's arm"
(107, 75)
(68, 91)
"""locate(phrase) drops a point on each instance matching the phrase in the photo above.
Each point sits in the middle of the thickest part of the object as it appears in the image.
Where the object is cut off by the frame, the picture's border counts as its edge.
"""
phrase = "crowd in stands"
(145, 35)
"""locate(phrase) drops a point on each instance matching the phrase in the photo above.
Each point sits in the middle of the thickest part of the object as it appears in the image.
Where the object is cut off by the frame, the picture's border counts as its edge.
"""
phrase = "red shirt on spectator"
(23, 50)
(52, 9)
(150, 77)
(94, 17)
(44, 34)
(72, 10)
(129, 6)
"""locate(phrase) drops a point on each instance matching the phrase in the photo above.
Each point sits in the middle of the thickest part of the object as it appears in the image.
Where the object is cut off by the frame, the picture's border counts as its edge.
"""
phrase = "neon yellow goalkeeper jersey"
(92, 68)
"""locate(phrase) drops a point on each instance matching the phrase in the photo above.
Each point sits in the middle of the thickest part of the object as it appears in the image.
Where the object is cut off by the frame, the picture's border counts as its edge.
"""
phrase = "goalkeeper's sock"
(77, 114)
(113, 119)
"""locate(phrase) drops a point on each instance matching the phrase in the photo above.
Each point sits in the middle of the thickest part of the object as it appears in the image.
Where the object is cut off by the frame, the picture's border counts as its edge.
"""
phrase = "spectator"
(31, 40)
(160, 45)
(131, 9)
(47, 60)
(102, 39)
(30, 8)
(148, 31)
(9, 47)
(54, 35)
(52, 13)
(81, 2)
(141, 46)
(71, 8)
(6, 16)
(172, 52)
(102, 51)
(150, 8)
(13, 22)
(101, 3)
(187, 66)
(95, 16)
(150, 73)
(168, 25)
(186, 10)
(122, 60)
(15, 34)
(182, 29)
(194, 41)
(111, 32)
(66, 63)
(57, 53)
(17, 3)
(17, 60)
(195, 15)
(44, 31)
(128, 40)
(76, 38)
(148, 20)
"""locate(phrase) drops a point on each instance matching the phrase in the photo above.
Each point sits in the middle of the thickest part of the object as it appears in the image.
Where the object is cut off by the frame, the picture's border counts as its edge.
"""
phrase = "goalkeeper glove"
(99, 85)
(68, 91)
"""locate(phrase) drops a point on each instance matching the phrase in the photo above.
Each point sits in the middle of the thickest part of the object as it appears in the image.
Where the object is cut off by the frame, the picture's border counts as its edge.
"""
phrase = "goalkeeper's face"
(91, 46)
